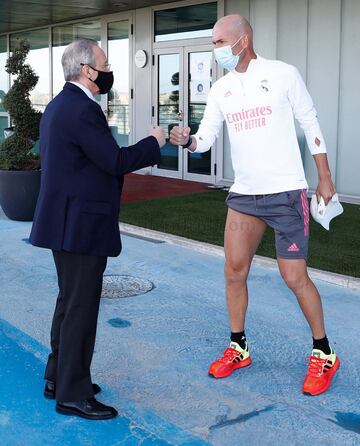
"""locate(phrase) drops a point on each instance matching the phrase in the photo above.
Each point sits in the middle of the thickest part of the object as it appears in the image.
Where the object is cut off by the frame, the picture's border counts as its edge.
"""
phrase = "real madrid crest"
(264, 85)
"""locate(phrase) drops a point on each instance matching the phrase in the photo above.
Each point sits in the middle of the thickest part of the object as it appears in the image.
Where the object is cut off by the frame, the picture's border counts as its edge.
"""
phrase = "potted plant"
(19, 166)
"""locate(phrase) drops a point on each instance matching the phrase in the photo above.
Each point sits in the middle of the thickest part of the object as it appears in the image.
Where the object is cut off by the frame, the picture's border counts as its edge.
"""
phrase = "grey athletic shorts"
(286, 212)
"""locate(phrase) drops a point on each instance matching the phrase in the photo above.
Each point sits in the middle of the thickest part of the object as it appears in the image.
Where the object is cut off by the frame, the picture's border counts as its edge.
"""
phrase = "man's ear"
(85, 69)
(245, 39)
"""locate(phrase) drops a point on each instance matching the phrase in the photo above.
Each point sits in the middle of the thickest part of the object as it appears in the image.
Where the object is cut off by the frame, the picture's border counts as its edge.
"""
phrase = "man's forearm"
(326, 187)
(322, 165)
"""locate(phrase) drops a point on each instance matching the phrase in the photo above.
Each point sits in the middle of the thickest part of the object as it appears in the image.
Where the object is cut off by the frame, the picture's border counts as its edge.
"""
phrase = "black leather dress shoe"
(49, 391)
(90, 409)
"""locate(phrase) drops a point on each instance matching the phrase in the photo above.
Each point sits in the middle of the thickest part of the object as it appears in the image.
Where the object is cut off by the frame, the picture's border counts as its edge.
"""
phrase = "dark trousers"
(74, 324)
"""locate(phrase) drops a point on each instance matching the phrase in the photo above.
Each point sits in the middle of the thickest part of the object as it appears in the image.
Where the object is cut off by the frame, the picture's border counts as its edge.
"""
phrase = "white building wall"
(348, 160)
(143, 37)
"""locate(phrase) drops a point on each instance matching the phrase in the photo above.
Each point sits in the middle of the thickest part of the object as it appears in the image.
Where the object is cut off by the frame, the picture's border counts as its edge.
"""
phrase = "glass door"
(199, 77)
(168, 109)
(183, 77)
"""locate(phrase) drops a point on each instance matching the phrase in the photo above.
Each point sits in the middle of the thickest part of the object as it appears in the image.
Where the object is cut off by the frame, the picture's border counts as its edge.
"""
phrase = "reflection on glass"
(118, 98)
(39, 59)
(62, 36)
(3, 125)
(3, 73)
(168, 107)
(199, 87)
(186, 22)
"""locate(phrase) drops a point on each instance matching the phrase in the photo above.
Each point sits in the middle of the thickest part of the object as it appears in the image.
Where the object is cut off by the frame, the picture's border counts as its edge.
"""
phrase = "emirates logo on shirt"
(248, 119)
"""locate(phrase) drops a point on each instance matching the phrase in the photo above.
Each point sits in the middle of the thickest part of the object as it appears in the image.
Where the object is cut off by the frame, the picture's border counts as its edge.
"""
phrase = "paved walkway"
(153, 351)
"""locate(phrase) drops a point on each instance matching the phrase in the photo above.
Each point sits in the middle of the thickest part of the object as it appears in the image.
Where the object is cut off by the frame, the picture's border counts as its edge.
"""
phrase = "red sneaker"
(321, 371)
(234, 357)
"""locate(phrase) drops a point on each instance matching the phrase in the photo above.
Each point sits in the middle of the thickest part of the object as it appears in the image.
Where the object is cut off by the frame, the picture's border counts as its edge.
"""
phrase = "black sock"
(322, 344)
(239, 338)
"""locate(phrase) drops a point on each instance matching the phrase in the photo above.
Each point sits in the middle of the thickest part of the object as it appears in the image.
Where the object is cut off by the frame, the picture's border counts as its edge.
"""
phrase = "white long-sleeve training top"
(259, 108)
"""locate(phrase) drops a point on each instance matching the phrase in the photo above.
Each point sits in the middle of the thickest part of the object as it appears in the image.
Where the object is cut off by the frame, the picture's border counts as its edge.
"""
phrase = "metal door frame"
(188, 49)
(155, 108)
(183, 51)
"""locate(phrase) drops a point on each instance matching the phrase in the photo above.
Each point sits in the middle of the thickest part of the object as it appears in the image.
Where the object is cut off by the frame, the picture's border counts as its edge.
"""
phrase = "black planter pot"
(19, 191)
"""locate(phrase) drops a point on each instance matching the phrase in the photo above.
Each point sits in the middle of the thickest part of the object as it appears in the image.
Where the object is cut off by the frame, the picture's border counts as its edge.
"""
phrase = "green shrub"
(15, 151)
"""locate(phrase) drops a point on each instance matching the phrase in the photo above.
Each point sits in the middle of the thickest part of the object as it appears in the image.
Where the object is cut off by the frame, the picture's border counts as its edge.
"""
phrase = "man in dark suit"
(77, 218)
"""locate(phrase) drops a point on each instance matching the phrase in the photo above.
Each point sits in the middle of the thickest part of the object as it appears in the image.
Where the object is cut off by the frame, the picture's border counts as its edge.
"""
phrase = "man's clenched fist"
(179, 135)
(159, 133)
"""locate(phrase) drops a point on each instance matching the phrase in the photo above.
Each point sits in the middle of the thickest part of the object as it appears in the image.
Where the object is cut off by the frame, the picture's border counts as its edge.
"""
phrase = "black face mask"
(104, 80)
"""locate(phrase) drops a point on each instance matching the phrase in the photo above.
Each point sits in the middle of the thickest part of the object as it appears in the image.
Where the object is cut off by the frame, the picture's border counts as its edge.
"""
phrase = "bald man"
(258, 99)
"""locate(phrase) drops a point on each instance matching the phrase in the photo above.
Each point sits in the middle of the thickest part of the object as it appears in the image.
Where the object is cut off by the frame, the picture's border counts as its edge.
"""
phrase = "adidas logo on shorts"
(293, 248)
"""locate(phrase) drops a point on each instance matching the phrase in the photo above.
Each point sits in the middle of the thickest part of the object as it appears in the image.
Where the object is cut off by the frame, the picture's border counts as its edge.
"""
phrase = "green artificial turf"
(202, 217)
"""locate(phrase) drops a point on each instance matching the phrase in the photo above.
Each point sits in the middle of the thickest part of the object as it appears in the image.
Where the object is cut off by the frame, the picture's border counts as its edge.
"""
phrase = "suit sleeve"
(95, 139)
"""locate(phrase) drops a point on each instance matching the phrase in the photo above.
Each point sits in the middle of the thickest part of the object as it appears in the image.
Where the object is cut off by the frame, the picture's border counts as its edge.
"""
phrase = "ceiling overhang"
(17, 15)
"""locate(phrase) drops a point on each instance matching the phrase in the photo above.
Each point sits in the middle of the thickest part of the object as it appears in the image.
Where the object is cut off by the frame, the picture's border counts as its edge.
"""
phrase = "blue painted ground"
(153, 351)
(25, 419)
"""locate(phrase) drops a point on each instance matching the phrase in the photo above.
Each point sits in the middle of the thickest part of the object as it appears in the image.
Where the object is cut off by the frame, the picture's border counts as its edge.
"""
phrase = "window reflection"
(39, 59)
(3, 125)
(3, 73)
(62, 37)
(168, 106)
(199, 87)
(186, 22)
(118, 98)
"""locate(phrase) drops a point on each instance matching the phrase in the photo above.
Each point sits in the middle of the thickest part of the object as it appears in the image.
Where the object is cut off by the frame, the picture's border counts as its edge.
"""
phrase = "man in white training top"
(258, 99)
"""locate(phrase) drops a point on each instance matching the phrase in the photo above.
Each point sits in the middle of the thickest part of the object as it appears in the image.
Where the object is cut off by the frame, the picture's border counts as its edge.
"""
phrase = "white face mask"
(322, 213)
(225, 57)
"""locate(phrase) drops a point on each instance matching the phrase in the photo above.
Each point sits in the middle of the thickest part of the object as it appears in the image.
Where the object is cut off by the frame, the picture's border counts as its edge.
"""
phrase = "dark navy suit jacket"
(82, 176)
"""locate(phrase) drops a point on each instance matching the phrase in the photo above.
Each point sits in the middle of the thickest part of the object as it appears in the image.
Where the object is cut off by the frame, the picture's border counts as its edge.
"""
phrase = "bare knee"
(295, 281)
(236, 272)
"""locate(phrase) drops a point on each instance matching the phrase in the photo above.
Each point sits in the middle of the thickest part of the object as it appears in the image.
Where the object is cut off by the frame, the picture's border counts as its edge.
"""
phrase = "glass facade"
(168, 106)
(39, 60)
(186, 22)
(61, 37)
(173, 103)
(3, 125)
(118, 98)
(199, 86)
(3, 75)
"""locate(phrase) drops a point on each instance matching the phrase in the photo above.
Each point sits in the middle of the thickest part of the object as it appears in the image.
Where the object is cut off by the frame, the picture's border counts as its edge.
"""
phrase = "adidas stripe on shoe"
(321, 371)
(234, 357)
